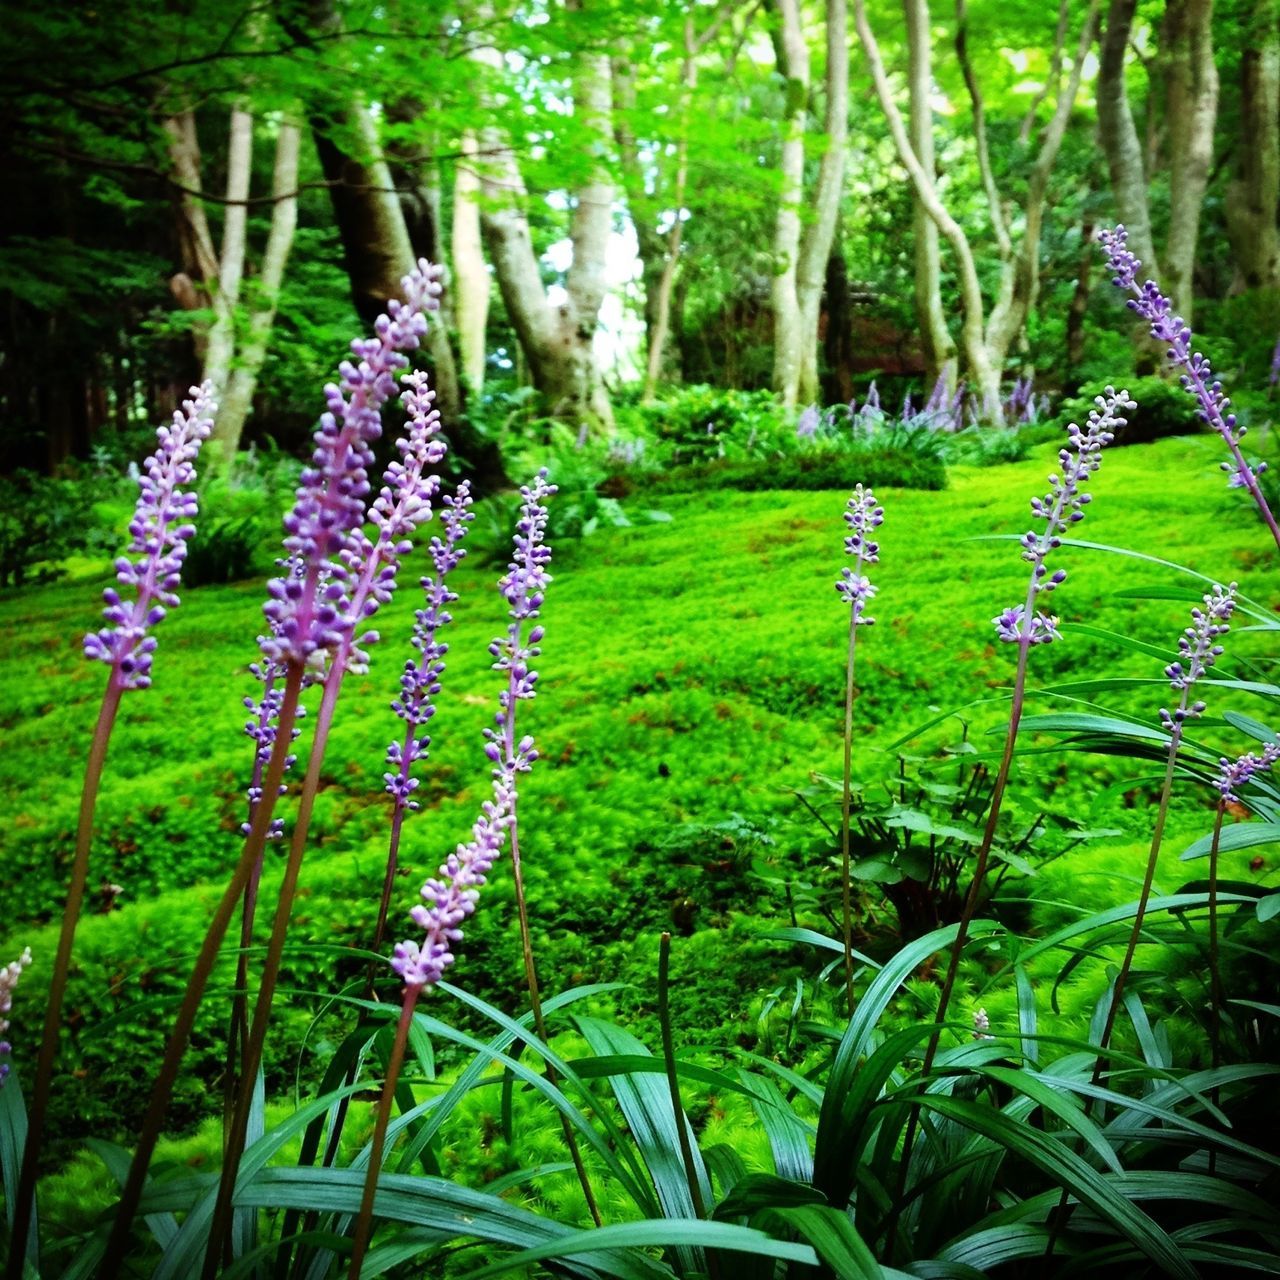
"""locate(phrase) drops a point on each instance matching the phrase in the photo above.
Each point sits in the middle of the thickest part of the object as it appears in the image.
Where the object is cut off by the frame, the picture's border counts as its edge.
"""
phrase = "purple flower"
(310, 615)
(1235, 774)
(862, 515)
(420, 682)
(807, 425)
(161, 529)
(9, 977)
(451, 896)
(1200, 649)
(1060, 508)
(1197, 373)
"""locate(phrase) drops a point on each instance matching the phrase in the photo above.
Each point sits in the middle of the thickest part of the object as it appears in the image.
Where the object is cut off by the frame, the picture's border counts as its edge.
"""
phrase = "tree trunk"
(237, 400)
(225, 291)
(793, 66)
(1119, 135)
(1192, 111)
(984, 375)
(939, 346)
(471, 276)
(815, 248)
(375, 240)
(1254, 193)
(558, 342)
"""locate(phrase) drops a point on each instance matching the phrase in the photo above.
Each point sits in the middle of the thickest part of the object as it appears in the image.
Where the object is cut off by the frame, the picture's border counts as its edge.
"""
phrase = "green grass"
(692, 670)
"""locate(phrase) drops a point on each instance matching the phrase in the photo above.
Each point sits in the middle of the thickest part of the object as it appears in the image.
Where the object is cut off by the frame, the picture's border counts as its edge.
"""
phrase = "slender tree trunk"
(819, 235)
(237, 400)
(225, 291)
(793, 66)
(1119, 135)
(471, 276)
(194, 286)
(558, 342)
(375, 239)
(1254, 193)
(939, 346)
(1192, 113)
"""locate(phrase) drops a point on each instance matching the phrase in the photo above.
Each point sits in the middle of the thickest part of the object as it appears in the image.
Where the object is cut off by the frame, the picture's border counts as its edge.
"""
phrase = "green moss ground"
(692, 670)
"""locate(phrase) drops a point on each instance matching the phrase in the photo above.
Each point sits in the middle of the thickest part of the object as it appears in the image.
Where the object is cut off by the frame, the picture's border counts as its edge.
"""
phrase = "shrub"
(899, 458)
(1164, 409)
(700, 424)
(43, 520)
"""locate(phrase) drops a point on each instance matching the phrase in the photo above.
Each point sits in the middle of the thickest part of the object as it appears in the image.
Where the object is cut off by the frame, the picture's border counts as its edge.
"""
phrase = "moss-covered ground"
(692, 677)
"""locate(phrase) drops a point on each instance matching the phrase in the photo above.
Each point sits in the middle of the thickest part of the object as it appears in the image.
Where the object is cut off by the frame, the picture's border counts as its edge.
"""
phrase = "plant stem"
(1215, 972)
(970, 905)
(846, 801)
(24, 1200)
(673, 1081)
(535, 1002)
(1062, 1214)
(219, 1235)
(117, 1243)
(364, 1223)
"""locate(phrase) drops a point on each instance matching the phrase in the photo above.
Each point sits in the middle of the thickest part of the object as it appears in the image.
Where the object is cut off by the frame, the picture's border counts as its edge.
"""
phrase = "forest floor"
(692, 683)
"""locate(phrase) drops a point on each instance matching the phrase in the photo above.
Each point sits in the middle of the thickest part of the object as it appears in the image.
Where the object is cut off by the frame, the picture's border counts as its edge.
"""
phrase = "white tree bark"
(225, 290)
(939, 346)
(237, 400)
(793, 65)
(1192, 112)
(815, 247)
(1254, 192)
(558, 342)
(471, 276)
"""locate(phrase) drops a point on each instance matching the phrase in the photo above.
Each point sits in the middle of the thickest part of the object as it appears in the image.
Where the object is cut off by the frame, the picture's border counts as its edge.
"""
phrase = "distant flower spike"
(1200, 649)
(161, 528)
(1197, 373)
(450, 898)
(311, 615)
(1060, 508)
(1235, 774)
(863, 514)
(420, 682)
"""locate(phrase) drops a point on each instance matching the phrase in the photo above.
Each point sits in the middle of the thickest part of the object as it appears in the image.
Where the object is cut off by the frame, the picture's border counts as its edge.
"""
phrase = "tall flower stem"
(846, 803)
(539, 1022)
(1199, 648)
(117, 1243)
(1215, 970)
(25, 1196)
(218, 1235)
(862, 515)
(364, 1221)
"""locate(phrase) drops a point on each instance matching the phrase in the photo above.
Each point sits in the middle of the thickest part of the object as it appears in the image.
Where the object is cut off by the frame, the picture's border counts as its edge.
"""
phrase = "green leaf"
(1269, 907)
(765, 1191)
(645, 1101)
(834, 1239)
(1070, 1171)
(677, 1233)
(13, 1141)
(1247, 724)
(1241, 835)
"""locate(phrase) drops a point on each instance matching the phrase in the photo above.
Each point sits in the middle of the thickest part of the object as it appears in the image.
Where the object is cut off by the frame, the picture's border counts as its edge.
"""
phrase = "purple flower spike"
(307, 615)
(1060, 508)
(450, 898)
(161, 528)
(1200, 649)
(863, 514)
(1197, 373)
(1235, 774)
(403, 504)
(9, 977)
(420, 682)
